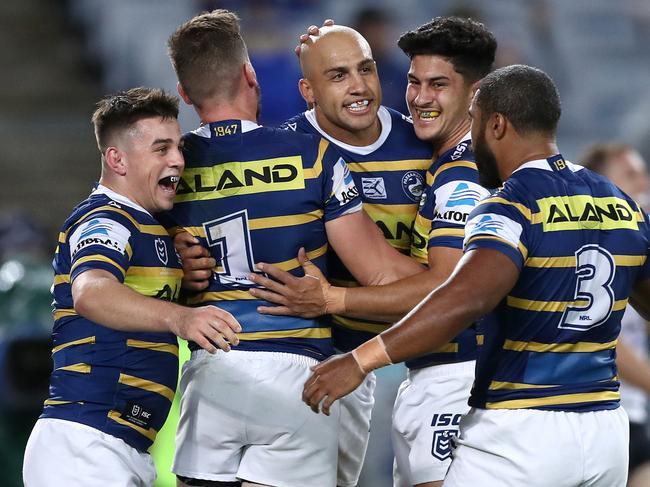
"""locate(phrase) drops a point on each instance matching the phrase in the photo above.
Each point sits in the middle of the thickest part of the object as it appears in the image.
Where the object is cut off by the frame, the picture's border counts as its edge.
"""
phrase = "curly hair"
(469, 46)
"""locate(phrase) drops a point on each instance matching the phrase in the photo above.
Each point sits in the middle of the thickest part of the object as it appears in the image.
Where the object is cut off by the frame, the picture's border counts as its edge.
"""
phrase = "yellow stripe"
(81, 341)
(361, 325)
(480, 339)
(140, 271)
(300, 333)
(95, 258)
(147, 385)
(520, 247)
(285, 221)
(496, 385)
(62, 237)
(450, 165)
(56, 402)
(154, 230)
(97, 210)
(315, 171)
(524, 210)
(555, 306)
(570, 261)
(449, 348)
(291, 264)
(158, 347)
(62, 279)
(220, 296)
(401, 165)
(128, 250)
(519, 346)
(375, 209)
(554, 400)
(62, 313)
(82, 368)
(447, 232)
(149, 433)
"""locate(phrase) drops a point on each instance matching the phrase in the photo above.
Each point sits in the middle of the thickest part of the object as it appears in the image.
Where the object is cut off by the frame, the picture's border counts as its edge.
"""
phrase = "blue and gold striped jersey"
(257, 194)
(390, 177)
(121, 383)
(580, 244)
(452, 191)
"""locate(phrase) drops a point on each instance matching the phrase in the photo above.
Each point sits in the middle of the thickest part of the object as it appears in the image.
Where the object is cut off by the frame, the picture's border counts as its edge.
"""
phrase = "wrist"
(335, 300)
(371, 355)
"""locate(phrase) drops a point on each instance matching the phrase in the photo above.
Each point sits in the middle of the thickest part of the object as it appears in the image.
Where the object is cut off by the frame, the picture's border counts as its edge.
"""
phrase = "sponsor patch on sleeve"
(343, 187)
(99, 231)
(456, 199)
(492, 224)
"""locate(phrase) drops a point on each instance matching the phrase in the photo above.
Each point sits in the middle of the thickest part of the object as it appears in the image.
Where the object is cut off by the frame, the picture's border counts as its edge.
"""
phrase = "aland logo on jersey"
(582, 211)
(230, 178)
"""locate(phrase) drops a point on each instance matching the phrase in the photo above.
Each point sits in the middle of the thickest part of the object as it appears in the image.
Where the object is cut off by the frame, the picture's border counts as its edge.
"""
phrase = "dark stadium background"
(58, 58)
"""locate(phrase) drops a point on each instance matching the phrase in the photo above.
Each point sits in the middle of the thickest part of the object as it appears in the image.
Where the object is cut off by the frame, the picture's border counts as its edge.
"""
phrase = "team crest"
(443, 443)
(161, 250)
(413, 185)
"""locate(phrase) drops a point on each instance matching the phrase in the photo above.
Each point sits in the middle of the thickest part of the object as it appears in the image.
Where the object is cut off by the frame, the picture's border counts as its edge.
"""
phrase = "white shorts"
(64, 453)
(426, 415)
(354, 431)
(534, 448)
(242, 417)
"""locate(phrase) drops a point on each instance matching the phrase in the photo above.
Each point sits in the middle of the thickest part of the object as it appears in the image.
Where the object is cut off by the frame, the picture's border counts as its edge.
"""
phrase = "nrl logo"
(442, 443)
(161, 250)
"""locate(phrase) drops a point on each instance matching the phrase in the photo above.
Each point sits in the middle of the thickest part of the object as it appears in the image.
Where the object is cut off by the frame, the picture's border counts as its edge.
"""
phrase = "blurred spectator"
(378, 26)
(625, 167)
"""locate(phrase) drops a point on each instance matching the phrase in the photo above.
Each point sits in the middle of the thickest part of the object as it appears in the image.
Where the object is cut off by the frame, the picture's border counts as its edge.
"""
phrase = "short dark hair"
(526, 96)
(122, 110)
(469, 46)
(207, 53)
(597, 156)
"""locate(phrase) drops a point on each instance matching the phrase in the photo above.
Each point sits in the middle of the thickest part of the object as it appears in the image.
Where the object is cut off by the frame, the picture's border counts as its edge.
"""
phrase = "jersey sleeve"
(341, 194)
(645, 269)
(501, 224)
(101, 241)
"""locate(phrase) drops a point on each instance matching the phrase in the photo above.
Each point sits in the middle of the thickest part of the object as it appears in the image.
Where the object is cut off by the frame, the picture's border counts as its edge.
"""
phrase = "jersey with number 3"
(257, 194)
(580, 245)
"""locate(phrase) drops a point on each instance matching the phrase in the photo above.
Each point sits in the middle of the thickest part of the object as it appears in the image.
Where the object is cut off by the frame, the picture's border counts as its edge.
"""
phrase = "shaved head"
(331, 42)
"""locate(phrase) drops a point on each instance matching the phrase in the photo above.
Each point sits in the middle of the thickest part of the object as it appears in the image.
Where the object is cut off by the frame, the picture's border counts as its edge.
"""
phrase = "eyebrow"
(345, 69)
(162, 141)
(435, 78)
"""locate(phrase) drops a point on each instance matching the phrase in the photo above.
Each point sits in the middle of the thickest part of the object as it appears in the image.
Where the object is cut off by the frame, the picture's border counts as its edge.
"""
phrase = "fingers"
(328, 22)
(276, 311)
(225, 325)
(277, 273)
(270, 296)
(204, 343)
(270, 284)
(185, 239)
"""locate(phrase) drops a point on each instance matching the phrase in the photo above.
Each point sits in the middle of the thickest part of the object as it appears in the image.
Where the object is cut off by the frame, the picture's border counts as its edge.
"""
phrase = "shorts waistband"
(279, 356)
(442, 370)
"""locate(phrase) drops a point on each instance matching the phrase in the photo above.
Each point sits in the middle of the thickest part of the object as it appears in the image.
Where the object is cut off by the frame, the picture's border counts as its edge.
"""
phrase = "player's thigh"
(62, 453)
(289, 445)
(605, 435)
(215, 390)
(354, 431)
(426, 419)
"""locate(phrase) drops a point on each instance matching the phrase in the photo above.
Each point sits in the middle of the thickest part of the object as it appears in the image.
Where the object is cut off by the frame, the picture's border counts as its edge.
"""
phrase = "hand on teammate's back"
(196, 261)
(208, 326)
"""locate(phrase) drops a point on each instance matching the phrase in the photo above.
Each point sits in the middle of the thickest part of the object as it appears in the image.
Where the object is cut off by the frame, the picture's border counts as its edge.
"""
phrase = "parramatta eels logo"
(413, 185)
(463, 196)
(161, 250)
(442, 443)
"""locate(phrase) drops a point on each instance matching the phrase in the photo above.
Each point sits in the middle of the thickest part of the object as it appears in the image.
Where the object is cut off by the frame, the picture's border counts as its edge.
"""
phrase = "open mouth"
(358, 106)
(168, 183)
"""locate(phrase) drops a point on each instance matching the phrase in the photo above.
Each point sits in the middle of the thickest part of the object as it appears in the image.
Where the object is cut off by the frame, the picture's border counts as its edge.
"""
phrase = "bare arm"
(640, 298)
(100, 297)
(481, 280)
(632, 369)
(365, 252)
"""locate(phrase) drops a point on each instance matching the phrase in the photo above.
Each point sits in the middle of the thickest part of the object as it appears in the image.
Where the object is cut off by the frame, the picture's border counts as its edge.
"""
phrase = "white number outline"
(587, 273)
(244, 264)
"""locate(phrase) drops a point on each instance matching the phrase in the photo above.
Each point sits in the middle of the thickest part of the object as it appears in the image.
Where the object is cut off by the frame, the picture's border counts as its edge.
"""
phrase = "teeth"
(174, 179)
(431, 114)
(359, 104)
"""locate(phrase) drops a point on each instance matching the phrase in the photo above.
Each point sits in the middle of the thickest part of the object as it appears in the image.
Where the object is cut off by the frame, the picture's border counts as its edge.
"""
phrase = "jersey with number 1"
(389, 174)
(580, 245)
(257, 194)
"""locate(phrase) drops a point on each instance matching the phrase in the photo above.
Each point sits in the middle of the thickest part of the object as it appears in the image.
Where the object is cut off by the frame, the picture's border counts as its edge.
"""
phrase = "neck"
(455, 138)
(531, 148)
(237, 109)
(359, 138)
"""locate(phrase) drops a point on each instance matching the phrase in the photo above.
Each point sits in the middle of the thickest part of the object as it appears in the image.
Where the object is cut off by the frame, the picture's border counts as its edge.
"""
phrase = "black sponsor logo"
(278, 173)
(451, 216)
(400, 230)
(347, 195)
(105, 241)
(590, 213)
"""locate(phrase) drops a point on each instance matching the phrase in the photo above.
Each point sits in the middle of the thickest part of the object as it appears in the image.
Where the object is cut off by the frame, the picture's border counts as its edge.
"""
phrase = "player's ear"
(307, 93)
(182, 94)
(115, 160)
(498, 124)
(249, 75)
